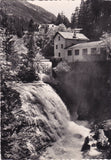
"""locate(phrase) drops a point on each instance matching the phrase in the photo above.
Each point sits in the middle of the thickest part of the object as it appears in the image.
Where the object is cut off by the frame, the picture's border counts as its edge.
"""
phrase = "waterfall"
(41, 120)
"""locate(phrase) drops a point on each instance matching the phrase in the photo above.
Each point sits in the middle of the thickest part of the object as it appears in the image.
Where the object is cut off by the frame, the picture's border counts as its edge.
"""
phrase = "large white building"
(63, 40)
(73, 47)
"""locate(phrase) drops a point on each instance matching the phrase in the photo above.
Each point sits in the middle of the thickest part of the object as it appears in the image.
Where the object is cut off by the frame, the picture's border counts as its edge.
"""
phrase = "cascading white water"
(43, 119)
(40, 102)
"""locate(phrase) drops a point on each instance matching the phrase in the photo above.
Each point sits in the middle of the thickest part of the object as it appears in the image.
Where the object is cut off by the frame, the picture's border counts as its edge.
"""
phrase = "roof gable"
(57, 34)
(69, 35)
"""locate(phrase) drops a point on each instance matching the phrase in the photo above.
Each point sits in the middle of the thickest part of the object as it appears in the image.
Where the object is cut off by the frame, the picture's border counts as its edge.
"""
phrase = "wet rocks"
(86, 145)
(98, 142)
(102, 142)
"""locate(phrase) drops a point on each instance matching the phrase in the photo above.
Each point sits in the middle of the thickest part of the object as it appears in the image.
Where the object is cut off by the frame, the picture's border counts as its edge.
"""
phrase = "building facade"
(90, 51)
(73, 47)
(63, 40)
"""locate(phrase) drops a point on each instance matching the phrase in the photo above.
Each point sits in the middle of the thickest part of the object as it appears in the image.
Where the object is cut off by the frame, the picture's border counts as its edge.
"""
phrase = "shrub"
(27, 74)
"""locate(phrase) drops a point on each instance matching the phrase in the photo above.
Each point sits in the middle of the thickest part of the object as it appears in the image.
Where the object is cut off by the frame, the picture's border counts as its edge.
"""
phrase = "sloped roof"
(88, 44)
(69, 35)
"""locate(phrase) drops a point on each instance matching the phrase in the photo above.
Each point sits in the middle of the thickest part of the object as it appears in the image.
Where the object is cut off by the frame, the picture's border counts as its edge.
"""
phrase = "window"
(59, 54)
(69, 52)
(93, 50)
(56, 46)
(77, 52)
(84, 51)
(61, 45)
(59, 38)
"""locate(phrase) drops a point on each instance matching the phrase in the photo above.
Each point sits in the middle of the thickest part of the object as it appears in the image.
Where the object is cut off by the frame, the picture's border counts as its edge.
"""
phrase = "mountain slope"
(26, 10)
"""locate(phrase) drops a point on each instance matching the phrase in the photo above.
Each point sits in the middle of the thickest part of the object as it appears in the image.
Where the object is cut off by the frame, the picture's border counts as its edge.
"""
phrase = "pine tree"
(94, 18)
(31, 26)
(9, 50)
(74, 18)
(61, 18)
(31, 44)
(73, 21)
(4, 20)
(66, 22)
(27, 70)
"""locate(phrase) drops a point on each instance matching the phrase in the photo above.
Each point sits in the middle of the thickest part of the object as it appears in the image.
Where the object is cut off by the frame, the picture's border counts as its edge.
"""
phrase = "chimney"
(74, 34)
(76, 30)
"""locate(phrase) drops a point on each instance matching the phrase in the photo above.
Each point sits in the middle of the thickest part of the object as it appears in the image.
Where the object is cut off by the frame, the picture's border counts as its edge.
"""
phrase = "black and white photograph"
(55, 74)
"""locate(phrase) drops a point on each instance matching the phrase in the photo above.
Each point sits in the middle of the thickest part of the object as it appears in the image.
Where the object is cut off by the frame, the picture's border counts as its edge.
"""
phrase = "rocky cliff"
(86, 89)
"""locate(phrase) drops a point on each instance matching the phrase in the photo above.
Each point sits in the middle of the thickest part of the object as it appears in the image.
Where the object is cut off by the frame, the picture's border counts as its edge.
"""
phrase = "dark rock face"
(86, 145)
(31, 120)
(86, 90)
(102, 141)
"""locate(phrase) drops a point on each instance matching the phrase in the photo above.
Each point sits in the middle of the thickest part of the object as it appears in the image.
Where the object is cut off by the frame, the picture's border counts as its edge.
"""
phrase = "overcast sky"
(57, 6)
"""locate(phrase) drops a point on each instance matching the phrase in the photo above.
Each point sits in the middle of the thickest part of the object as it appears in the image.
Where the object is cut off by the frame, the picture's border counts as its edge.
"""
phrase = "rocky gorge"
(36, 124)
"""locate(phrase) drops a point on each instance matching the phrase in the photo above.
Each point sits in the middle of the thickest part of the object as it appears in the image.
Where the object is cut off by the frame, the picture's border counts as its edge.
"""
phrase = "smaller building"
(90, 51)
(51, 26)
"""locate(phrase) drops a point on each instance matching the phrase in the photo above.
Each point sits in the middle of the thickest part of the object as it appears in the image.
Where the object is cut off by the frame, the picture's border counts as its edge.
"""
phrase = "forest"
(93, 16)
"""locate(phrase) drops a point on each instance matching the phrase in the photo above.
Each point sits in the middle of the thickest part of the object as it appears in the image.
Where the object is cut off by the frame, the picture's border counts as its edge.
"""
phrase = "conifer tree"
(61, 18)
(95, 18)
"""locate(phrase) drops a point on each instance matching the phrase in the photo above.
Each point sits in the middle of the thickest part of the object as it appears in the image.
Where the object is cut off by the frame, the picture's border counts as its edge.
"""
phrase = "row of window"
(70, 53)
(61, 46)
(76, 52)
(84, 51)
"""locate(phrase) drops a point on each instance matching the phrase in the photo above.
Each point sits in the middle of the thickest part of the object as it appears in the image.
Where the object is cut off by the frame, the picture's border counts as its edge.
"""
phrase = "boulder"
(86, 145)
(102, 142)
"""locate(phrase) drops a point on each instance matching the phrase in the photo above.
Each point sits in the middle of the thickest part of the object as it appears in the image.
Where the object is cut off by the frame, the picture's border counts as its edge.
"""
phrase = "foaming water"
(40, 102)
(45, 127)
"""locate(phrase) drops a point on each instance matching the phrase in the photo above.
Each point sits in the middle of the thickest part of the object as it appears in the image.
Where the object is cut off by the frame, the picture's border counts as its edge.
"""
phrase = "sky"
(58, 6)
